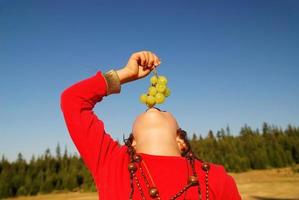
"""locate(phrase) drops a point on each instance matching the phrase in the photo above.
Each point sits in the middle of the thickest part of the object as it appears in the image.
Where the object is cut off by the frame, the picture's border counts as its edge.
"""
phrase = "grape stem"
(155, 72)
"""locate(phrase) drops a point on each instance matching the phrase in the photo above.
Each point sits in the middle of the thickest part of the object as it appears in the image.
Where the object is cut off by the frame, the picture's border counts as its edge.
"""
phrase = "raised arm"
(77, 102)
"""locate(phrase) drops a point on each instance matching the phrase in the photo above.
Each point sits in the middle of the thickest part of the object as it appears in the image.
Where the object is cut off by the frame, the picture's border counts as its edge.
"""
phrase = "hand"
(140, 64)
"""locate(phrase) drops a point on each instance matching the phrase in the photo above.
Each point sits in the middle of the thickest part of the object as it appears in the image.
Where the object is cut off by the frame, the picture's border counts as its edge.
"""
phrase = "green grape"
(160, 87)
(162, 80)
(150, 101)
(143, 98)
(167, 92)
(157, 91)
(152, 90)
(154, 80)
(160, 98)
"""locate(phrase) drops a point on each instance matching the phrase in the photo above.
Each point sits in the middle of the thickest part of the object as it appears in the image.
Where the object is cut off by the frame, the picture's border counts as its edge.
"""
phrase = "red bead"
(205, 166)
(137, 158)
(193, 180)
(153, 192)
(132, 167)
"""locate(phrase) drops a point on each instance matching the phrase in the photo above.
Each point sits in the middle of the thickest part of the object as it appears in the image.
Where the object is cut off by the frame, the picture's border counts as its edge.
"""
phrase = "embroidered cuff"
(112, 81)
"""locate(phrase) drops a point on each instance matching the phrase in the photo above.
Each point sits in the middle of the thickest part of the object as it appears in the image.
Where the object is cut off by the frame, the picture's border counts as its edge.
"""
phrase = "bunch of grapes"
(157, 92)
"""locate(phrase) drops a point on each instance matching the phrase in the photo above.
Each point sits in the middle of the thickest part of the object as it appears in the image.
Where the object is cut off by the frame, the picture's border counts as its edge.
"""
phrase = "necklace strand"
(145, 166)
(153, 191)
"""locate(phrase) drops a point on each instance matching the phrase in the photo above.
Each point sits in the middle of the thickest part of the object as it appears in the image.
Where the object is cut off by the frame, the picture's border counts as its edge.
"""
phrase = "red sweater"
(108, 161)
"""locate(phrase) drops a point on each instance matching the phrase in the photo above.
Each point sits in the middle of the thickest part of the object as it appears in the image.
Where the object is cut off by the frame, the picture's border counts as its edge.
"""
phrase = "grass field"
(272, 184)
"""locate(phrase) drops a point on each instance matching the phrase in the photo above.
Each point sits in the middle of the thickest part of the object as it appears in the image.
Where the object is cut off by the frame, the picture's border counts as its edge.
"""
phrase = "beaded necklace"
(137, 163)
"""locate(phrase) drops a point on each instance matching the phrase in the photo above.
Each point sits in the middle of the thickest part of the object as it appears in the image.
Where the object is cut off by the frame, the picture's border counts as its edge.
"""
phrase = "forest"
(268, 147)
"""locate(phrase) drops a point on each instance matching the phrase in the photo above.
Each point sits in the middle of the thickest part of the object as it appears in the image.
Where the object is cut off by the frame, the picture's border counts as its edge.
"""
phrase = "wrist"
(112, 82)
(124, 76)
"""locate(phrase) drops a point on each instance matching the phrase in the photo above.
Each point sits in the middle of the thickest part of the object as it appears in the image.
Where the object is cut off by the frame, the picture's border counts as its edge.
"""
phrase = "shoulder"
(221, 183)
(215, 170)
(217, 175)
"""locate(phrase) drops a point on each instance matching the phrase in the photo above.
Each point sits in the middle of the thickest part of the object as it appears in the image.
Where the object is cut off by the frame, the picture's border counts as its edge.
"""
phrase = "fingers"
(147, 59)
(151, 59)
(156, 60)
(143, 59)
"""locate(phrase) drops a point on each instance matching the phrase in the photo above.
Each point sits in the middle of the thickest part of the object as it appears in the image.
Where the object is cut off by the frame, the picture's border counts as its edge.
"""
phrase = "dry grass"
(253, 185)
(268, 184)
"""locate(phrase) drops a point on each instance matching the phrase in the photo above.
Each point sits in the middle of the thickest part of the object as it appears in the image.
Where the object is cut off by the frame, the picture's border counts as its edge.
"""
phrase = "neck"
(158, 147)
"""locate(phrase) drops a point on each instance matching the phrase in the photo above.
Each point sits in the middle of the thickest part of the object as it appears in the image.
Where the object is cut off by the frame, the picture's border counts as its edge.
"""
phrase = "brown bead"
(205, 166)
(191, 155)
(137, 158)
(153, 192)
(193, 180)
(132, 167)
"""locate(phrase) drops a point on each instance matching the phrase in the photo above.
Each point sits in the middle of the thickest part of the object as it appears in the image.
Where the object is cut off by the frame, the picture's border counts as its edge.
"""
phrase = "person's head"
(157, 132)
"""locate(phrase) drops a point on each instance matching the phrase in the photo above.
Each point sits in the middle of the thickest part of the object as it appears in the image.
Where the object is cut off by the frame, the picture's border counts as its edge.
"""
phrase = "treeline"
(44, 174)
(270, 147)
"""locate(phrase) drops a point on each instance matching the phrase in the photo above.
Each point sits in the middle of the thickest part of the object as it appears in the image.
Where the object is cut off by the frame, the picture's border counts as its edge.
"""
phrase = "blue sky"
(228, 63)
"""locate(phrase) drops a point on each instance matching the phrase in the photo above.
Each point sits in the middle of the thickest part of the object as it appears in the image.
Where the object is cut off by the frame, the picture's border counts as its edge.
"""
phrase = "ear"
(181, 143)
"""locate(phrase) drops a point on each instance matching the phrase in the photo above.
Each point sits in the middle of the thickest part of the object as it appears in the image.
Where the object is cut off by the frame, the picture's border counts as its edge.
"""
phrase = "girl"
(156, 161)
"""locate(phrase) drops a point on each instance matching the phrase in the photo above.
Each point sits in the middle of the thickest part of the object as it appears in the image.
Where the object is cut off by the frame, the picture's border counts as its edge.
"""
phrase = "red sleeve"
(86, 130)
(230, 191)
